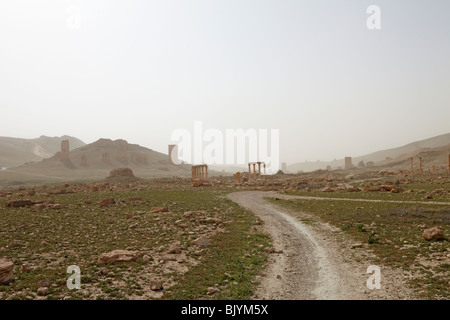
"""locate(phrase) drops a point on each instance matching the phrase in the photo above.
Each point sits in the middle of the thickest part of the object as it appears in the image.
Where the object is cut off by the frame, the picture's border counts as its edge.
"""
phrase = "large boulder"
(106, 202)
(19, 203)
(6, 271)
(435, 233)
(118, 256)
(122, 172)
(121, 175)
(159, 209)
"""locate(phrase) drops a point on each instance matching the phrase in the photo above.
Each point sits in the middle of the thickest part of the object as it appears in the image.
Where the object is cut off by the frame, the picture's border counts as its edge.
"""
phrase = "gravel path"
(316, 261)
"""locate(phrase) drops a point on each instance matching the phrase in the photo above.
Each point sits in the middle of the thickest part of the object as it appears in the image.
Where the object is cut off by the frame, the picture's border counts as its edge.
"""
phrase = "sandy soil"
(317, 261)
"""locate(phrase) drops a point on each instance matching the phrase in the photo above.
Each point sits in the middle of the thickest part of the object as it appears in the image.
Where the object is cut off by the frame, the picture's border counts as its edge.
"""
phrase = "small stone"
(202, 242)
(106, 202)
(44, 283)
(433, 234)
(156, 285)
(42, 291)
(117, 256)
(6, 271)
(212, 290)
(159, 209)
(25, 268)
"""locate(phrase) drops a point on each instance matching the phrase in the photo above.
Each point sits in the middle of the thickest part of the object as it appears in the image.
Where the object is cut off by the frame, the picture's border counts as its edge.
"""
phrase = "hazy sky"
(138, 70)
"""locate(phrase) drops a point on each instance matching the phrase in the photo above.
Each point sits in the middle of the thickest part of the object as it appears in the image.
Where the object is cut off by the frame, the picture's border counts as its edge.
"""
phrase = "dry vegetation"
(64, 225)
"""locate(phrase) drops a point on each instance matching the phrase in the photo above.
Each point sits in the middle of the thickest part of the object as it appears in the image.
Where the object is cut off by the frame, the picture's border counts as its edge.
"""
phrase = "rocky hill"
(17, 151)
(389, 157)
(93, 161)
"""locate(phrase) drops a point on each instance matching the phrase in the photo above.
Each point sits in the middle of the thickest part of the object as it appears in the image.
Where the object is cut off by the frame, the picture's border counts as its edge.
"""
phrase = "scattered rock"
(44, 283)
(106, 202)
(357, 245)
(42, 291)
(387, 187)
(159, 209)
(118, 256)
(435, 233)
(122, 172)
(19, 203)
(156, 285)
(272, 250)
(146, 257)
(202, 242)
(134, 199)
(6, 271)
(175, 250)
(212, 290)
(26, 268)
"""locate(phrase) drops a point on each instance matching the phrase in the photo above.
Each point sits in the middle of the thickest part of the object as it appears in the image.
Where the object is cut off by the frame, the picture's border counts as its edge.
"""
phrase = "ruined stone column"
(412, 165)
(206, 172)
(259, 169)
(449, 163)
(434, 169)
(254, 170)
(420, 164)
(250, 172)
(65, 154)
(264, 170)
(238, 177)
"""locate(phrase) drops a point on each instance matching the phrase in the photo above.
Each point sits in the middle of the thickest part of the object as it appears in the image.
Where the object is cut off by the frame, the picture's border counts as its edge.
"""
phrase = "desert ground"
(286, 236)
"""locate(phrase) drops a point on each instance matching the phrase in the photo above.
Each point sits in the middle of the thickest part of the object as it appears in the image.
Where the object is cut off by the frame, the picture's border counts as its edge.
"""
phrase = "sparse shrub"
(360, 227)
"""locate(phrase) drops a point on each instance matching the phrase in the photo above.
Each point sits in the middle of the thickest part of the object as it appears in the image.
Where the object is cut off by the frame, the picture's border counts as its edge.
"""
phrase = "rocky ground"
(142, 239)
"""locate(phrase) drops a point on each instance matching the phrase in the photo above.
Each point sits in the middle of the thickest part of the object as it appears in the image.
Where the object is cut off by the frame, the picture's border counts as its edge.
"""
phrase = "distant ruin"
(121, 175)
(348, 163)
(259, 163)
(199, 175)
(65, 153)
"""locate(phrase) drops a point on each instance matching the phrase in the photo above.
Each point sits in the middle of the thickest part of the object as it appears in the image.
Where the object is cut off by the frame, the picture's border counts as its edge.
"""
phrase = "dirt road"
(317, 261)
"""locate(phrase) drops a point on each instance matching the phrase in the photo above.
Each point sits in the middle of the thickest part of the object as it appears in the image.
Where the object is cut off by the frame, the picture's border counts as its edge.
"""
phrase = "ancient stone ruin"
(348, 163)
(121, 175)
(199, 175)
(65, 154)
(259, 163)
